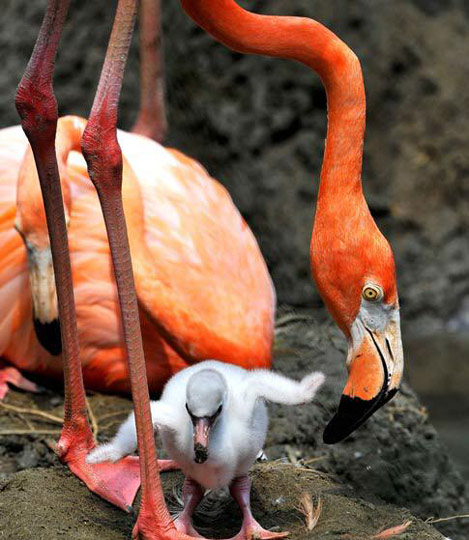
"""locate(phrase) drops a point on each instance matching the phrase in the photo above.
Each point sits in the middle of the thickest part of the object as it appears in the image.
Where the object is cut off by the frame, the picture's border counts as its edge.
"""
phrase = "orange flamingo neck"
(31, 217)
(310, 43)
(343, 226)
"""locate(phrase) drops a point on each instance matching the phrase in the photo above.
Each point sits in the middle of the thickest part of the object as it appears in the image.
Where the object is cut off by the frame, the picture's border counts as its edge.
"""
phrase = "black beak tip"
(337, 430)
(331, 434)
(48, 335)
(201, 453)
(352, 413)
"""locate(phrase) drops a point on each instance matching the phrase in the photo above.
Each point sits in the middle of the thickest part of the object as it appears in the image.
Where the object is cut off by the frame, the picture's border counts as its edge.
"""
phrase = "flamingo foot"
(151, 527)
(117, 483)
(10, 375)
(254, 531)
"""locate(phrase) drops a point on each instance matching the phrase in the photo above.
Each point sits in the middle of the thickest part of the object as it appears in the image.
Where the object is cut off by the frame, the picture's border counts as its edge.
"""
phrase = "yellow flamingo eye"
(372, 293)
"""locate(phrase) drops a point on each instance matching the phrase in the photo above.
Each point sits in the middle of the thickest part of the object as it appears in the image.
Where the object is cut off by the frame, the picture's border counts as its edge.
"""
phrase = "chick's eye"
(372, 293)
(193, 418)
(217, 412)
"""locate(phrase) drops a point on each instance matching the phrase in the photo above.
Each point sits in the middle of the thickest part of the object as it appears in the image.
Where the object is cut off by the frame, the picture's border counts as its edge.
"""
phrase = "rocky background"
(259, 124)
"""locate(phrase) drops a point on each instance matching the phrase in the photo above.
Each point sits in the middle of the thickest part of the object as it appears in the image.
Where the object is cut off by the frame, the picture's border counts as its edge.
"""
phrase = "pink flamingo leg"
(104, 159)
(192, 494)
(37, 107)
(240, 490)
(151, 120)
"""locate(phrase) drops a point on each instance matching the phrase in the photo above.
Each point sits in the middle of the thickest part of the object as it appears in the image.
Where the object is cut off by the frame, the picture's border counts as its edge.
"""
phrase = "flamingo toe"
(10, 375)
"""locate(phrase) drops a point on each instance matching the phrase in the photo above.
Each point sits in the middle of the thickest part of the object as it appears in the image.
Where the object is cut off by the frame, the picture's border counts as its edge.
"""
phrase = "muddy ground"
(69, 510)
(396, 458)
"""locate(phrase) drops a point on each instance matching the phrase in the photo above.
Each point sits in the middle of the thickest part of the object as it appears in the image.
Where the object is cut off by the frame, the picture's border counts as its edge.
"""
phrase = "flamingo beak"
(375, 365)
(202, 428)
(45, 310)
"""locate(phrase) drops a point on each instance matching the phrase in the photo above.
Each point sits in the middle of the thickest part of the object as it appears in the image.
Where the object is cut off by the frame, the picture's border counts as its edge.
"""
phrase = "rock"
(258, 124)
(397, 456)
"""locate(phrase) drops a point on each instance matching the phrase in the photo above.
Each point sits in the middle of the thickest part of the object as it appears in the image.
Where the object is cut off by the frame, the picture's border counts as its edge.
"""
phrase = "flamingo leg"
(37, 107)
(104, 158)
(151, 120)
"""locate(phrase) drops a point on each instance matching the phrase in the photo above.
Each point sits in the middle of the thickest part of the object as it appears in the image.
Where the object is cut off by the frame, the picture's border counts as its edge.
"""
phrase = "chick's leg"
(240, 490)
(192, 494)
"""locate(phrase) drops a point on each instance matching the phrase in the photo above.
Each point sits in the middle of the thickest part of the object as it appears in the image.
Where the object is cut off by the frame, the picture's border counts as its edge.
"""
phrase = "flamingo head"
(355, 275)
(31, 224)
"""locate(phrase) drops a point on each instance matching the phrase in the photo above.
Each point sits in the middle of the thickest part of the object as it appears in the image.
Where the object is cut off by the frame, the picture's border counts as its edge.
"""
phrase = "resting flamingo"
(191, 238)
(352, 262)
(187, 238)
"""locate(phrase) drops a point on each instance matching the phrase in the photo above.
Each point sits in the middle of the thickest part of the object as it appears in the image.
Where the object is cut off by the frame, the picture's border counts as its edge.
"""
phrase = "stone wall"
(258, 125)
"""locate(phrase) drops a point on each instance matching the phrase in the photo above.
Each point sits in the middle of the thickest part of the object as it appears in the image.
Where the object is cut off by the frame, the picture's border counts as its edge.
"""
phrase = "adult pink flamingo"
(352, 262)
(179, 250)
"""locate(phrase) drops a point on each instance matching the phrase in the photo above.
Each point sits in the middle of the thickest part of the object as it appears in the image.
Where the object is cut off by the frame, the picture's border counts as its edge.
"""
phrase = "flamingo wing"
(15, 302)
(198, 250)
(203, 252)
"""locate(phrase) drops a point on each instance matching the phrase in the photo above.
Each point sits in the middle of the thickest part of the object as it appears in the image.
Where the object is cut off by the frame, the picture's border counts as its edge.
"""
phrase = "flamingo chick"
(213, 421)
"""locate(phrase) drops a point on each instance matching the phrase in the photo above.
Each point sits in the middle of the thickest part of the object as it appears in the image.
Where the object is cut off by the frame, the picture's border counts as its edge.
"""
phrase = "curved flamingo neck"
(30, 214)
(310, 43)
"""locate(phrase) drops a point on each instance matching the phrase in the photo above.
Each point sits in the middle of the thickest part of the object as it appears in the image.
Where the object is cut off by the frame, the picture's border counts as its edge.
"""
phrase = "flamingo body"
(203, 287)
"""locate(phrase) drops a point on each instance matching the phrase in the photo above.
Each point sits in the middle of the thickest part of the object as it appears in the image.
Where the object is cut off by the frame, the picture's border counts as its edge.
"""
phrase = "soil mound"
(50, 504)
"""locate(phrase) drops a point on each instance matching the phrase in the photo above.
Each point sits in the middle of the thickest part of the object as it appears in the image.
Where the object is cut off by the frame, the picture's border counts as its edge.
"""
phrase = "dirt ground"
(69, 510)
(396, 458)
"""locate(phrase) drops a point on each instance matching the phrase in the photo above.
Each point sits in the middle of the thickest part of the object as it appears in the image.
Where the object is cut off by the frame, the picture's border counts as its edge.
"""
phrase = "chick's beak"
(202, 428)
(375, 366)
